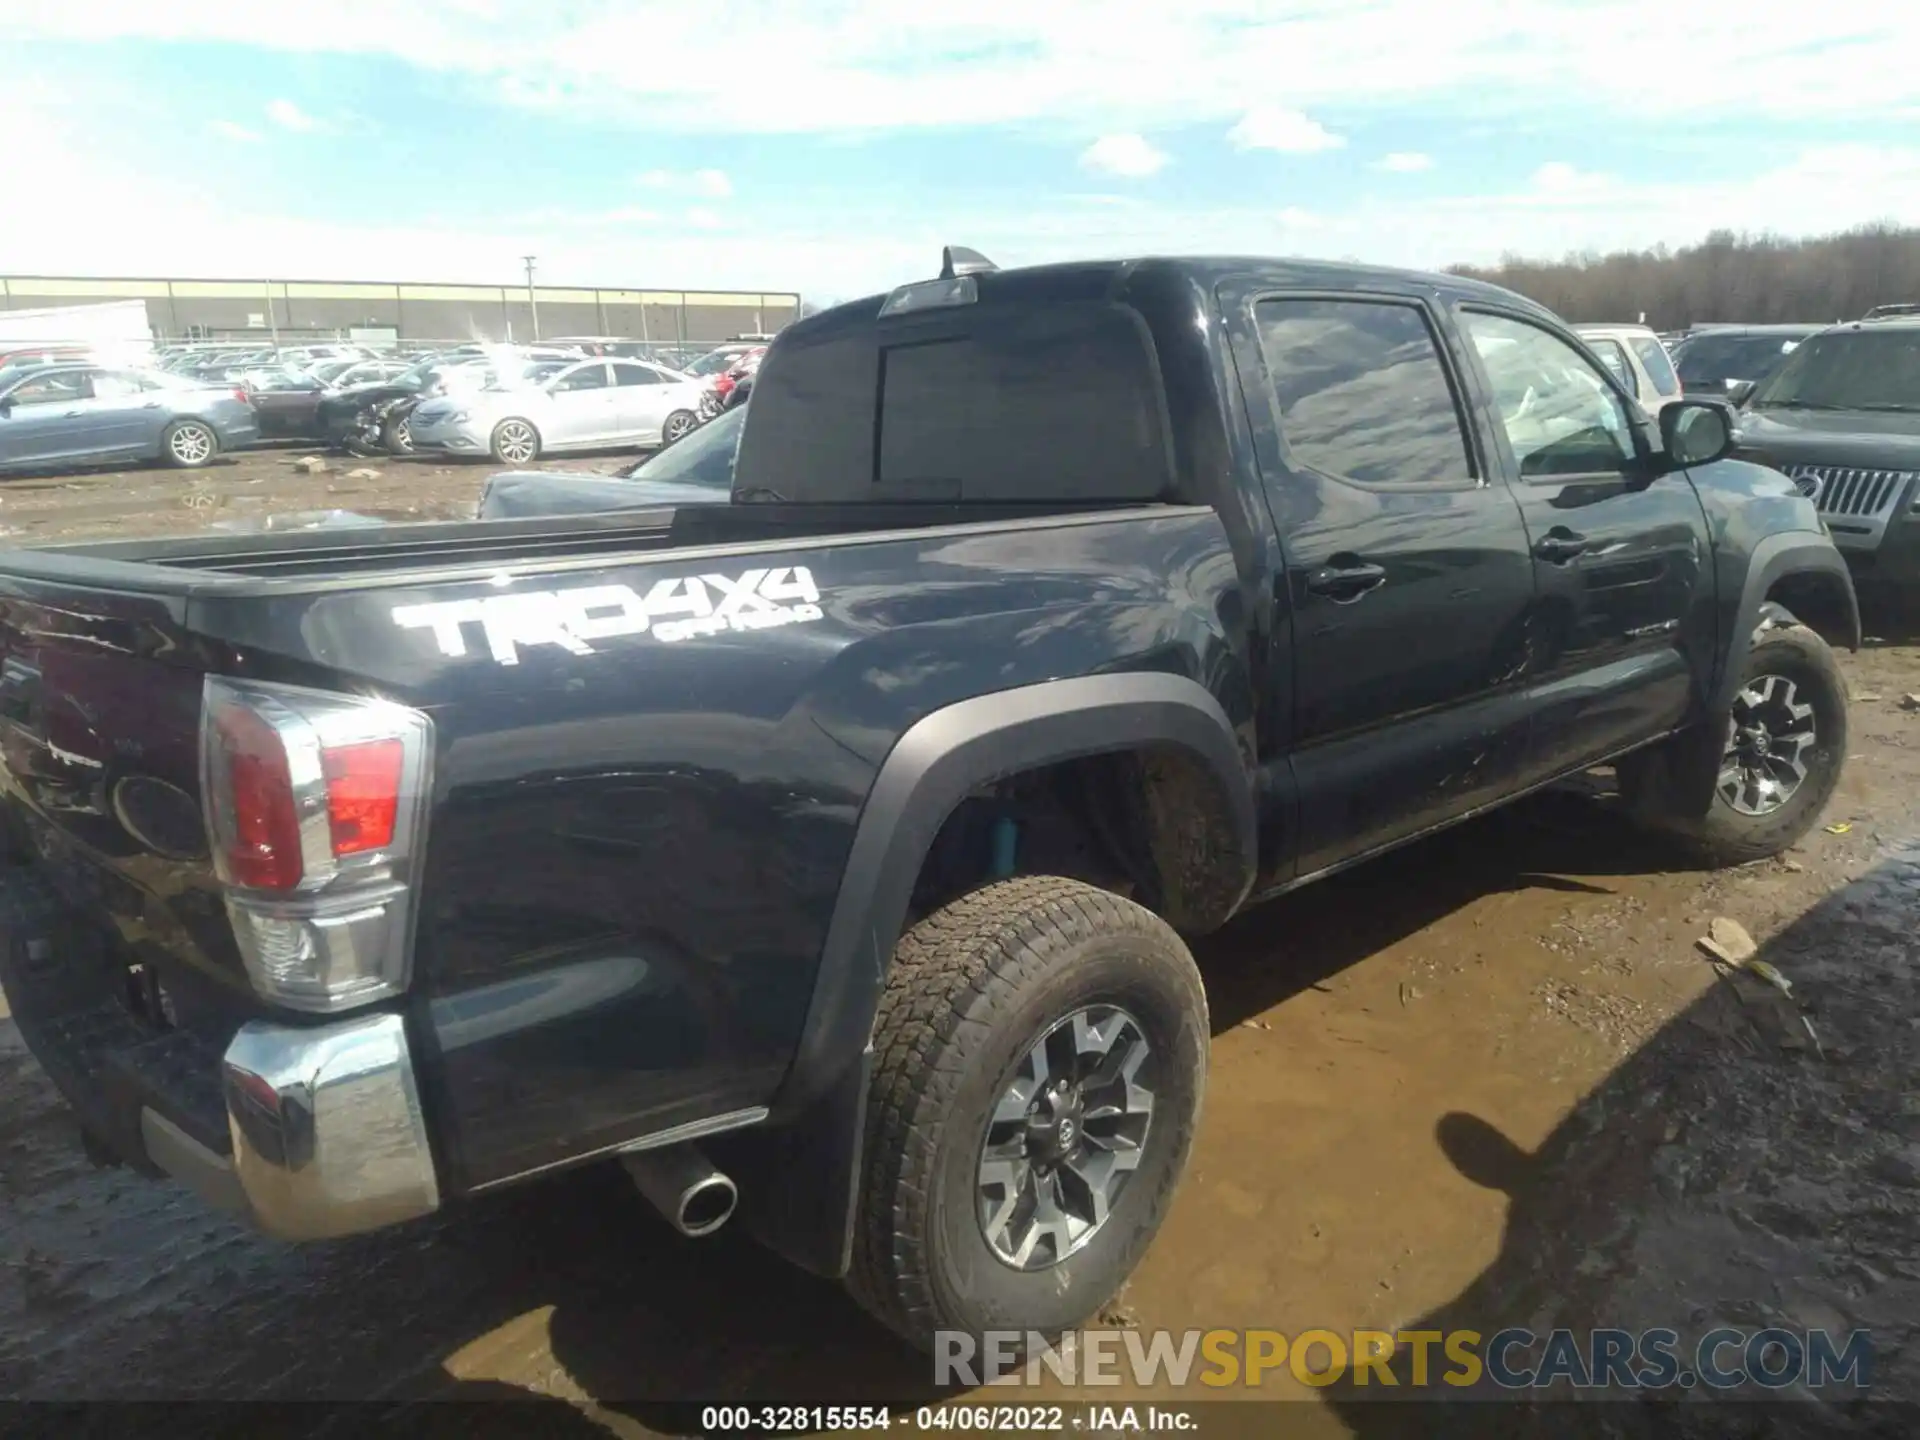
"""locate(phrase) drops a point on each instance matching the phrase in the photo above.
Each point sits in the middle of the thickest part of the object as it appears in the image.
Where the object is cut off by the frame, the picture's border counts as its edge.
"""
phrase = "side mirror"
(1695, 432)
(1739, 391)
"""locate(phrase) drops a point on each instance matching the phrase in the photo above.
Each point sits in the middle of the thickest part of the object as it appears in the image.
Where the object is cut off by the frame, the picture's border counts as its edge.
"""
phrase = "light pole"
(532, 304)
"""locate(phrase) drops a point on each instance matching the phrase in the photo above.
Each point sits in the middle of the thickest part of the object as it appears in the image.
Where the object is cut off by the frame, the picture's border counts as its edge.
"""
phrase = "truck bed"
(638, 834)
(230, 564)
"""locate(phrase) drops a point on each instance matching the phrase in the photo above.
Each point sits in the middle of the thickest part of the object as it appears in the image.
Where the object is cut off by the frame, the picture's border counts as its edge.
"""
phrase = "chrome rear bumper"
(328, 1135)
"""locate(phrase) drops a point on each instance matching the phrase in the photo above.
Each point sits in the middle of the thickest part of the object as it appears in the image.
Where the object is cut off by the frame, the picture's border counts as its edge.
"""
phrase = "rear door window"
(1654, 359)
(1362, 392)
(587, 377)
(112, 385)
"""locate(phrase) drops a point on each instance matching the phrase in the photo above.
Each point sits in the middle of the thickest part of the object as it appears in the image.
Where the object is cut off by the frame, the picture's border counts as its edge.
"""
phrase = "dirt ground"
(1487, 1081)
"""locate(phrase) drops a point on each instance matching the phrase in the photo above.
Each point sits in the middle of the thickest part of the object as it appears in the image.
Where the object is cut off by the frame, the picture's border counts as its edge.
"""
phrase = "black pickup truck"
(830, 854)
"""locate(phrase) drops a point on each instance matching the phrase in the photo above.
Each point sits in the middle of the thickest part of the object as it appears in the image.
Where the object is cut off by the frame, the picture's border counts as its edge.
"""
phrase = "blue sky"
(833, 146)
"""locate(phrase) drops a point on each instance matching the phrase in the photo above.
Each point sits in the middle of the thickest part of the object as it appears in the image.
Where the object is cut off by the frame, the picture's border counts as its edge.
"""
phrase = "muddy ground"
(1487, 1081)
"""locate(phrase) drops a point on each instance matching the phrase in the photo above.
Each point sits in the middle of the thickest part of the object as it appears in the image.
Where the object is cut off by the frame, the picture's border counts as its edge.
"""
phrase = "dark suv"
(1842, 418)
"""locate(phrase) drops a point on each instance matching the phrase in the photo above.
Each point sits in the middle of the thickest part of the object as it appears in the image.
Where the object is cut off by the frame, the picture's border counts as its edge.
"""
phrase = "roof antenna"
(957, 260)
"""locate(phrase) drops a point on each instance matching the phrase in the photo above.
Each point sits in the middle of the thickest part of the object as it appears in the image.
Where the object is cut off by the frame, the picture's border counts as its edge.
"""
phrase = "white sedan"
(588, 405)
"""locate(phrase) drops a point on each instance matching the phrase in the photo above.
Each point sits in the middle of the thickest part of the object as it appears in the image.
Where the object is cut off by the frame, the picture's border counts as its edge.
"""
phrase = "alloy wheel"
(1066, 1137)
(516, 442)
(1769, 736)
(191, 444)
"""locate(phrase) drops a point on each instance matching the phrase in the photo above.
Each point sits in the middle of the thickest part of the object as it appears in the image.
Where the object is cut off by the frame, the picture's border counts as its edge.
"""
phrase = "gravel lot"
(1487, 1081)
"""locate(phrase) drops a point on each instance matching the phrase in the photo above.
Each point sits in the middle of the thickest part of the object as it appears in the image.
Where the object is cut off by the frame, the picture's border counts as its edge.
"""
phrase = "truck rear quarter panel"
(637, 841)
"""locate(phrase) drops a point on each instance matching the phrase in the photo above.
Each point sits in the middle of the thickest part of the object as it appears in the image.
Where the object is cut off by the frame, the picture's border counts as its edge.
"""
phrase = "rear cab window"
(979, 402)
(1362, 393)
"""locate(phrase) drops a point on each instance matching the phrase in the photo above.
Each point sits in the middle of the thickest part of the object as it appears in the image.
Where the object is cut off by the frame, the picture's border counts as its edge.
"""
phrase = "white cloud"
(232, 130)
(289, 116)
(618, 216)
(1132, 157)
(876, 243)
(1557, 178)
(713, 184)
(1172, 67)
(702, 218)
(869, 65)
(1268, 127)
(1405, 162)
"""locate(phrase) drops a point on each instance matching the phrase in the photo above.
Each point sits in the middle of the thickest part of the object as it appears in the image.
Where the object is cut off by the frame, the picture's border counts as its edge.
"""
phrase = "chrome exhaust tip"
(683, 1185)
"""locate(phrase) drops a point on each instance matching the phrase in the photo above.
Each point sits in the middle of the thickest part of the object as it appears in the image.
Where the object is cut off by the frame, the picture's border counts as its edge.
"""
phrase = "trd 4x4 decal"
(676, 609)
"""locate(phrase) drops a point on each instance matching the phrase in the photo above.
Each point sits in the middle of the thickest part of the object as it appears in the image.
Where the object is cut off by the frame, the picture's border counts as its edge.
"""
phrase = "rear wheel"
(1754, 785)
(189, 444)
(677, 424)
(515, 442)
(1039, 1063)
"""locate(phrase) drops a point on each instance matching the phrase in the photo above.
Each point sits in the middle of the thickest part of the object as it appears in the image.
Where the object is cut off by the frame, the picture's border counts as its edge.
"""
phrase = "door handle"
(71, 415)
(1558, 546)
(1343, 584)
(151, 405)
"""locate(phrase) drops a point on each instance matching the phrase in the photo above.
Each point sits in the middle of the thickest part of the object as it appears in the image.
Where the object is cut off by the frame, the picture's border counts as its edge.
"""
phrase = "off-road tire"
(1661, 786)
(972, 987)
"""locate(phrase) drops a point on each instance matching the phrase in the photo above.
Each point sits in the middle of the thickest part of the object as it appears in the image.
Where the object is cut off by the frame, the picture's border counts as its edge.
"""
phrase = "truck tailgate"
(118, 960)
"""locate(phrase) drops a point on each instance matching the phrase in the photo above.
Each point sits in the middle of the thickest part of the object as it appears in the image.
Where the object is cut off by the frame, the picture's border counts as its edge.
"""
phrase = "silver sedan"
(93, 414)
(588, 405)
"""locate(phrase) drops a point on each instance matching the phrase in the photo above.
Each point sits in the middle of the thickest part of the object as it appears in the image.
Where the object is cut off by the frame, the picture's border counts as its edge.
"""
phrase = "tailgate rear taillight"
(317, 807)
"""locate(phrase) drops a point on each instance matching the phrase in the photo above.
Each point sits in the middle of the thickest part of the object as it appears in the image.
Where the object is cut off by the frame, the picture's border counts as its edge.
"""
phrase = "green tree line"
(1728, 277)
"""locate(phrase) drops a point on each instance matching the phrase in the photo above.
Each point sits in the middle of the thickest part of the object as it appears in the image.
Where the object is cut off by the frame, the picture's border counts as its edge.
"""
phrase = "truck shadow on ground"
(1735, 1171)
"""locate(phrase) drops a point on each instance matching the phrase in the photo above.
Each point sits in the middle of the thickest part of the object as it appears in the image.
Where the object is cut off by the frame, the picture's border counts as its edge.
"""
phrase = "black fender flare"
(1775, 558)
(802, 1166)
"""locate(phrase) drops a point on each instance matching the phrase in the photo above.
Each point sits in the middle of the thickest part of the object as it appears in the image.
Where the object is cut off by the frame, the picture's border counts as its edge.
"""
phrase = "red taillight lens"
(261, 836)
(363, 793)
(317, 806)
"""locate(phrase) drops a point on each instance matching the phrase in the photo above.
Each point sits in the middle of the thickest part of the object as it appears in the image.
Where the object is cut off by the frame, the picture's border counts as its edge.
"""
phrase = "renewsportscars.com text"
(1511, 1359)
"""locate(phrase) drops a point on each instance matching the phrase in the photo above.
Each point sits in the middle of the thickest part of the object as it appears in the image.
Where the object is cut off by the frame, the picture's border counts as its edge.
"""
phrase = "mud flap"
(799, 1181)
